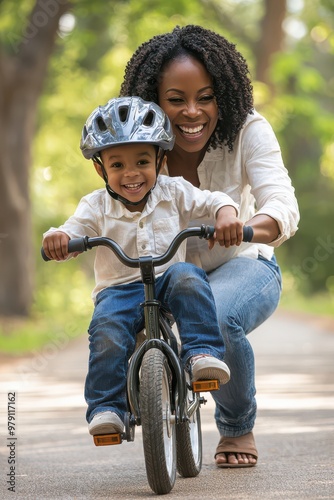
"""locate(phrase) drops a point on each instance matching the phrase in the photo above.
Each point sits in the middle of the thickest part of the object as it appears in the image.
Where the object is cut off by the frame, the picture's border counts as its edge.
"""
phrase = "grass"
(20, 337)
(320, 304)
(59, 313)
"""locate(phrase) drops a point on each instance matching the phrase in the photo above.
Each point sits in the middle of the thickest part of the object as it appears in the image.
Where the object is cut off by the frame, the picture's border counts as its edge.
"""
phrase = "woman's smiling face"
(186, 95)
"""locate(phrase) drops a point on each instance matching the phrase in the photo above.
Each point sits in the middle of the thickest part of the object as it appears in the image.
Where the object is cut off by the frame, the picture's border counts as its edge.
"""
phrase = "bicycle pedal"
(107, 439)
(205, 385)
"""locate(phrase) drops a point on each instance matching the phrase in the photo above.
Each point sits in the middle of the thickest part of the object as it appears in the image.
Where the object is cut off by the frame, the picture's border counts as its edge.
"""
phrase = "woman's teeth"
(193, 130)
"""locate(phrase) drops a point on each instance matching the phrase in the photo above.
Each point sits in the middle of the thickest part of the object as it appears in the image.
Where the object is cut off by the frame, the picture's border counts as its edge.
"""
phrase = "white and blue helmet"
(126, 120)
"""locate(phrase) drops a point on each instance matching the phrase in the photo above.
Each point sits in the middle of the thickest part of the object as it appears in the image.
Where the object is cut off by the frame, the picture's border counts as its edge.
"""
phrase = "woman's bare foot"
(237, 451)
(235, 459)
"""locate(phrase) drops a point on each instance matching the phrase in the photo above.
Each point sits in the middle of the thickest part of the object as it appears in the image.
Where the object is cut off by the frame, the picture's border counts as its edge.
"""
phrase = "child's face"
(131, 170)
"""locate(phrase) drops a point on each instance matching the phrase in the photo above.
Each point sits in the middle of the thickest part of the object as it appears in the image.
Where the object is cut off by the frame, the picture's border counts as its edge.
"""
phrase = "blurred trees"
(291, 66)
(23, 61)
(302, 113)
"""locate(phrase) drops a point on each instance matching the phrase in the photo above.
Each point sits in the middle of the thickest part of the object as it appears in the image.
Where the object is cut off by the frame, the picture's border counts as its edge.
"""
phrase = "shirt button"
(143, 247)
(141, 224)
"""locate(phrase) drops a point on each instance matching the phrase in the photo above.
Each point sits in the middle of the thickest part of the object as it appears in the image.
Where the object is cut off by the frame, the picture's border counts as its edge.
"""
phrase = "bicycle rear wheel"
(158, 423)
(189, 444)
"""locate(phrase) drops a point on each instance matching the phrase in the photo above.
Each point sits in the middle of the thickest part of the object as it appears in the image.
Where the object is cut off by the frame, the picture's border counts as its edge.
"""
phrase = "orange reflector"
(107, 439)
(205, 385)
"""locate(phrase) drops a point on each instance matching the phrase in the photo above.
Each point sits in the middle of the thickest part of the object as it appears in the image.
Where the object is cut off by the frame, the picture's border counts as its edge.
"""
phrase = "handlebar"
(86, 243)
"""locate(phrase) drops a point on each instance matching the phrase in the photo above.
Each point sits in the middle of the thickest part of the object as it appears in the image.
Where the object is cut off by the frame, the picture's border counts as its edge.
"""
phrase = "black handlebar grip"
(248, 234)
(44, 256)
(77, 245)
(207, 232)
(210, 232)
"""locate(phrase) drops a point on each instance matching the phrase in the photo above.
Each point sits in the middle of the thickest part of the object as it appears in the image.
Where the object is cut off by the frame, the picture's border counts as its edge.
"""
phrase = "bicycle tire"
(189, 445)
(158, 425)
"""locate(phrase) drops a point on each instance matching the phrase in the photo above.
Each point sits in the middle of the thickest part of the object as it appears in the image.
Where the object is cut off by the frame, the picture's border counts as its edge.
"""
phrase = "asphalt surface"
(51, 455)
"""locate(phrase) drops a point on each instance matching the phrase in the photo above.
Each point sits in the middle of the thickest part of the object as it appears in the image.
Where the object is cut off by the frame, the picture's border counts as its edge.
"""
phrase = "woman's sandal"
(241, 444)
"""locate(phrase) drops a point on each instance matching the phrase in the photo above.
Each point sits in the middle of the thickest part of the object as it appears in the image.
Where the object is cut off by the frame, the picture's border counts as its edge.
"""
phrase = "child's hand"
(55, 245)
(228, 228)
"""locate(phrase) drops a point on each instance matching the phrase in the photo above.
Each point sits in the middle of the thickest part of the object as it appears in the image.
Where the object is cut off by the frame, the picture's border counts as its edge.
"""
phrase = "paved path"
(56, 459)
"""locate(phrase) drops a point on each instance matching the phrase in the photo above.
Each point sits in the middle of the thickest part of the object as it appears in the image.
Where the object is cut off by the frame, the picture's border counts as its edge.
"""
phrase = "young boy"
(142, 211)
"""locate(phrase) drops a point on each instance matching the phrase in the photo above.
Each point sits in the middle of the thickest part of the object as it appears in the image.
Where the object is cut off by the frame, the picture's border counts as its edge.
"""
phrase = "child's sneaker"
(206, 367)
(105, 422)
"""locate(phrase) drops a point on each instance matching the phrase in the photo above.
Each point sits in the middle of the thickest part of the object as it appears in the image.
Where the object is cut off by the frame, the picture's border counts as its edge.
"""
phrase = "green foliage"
(302, 115)
(87, 69)
(13, 23)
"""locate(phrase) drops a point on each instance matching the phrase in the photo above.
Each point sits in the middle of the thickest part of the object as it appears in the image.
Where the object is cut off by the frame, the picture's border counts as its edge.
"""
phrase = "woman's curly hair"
(227, 67)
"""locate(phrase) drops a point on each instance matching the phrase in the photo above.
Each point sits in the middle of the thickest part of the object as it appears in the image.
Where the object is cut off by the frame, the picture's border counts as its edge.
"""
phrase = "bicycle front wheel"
(158, 423)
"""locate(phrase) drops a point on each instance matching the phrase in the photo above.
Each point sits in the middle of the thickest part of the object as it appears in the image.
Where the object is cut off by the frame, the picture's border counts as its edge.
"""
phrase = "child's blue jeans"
(118, 317)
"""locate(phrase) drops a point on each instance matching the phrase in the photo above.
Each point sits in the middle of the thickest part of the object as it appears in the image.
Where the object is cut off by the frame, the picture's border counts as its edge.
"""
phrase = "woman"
(201, 81)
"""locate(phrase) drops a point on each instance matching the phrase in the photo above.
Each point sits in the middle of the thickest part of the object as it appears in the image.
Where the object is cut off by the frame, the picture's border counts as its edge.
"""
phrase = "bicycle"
(161, 397)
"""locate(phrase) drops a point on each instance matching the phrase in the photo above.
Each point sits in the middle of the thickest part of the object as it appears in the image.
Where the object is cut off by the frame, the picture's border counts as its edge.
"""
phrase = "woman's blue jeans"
(246, 292)
(118, 317)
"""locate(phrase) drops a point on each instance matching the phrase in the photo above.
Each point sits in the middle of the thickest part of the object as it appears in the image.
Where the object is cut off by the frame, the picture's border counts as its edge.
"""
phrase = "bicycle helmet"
(126, 120)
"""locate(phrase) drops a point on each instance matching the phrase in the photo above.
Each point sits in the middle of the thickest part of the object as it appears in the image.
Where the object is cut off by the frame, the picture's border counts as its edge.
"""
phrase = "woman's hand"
(228, 228)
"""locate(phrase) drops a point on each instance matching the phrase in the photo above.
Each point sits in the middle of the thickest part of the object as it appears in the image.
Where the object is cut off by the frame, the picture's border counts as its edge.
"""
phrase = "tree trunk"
(21, 80)
(16, 263)
(271, 39)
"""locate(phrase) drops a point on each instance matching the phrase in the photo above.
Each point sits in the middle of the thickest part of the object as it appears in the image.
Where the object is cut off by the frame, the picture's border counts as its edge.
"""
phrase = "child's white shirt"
(171, 206)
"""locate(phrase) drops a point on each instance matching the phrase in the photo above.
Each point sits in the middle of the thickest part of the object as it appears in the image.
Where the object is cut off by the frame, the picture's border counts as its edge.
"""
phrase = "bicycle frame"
(154, 323)
(173, 399)
(155, 320)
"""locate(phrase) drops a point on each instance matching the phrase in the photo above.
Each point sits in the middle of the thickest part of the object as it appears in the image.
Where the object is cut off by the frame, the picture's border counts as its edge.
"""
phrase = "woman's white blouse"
(254, 176)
